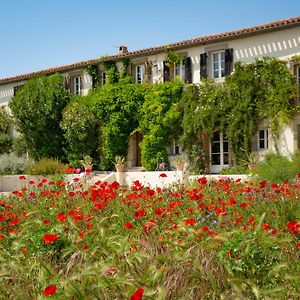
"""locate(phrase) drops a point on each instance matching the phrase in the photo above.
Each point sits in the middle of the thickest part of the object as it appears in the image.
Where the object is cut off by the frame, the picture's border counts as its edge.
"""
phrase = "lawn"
(221, 239)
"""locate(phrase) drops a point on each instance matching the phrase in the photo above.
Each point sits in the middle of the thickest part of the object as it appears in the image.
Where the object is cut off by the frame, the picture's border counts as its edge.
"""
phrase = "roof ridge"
(191, 41)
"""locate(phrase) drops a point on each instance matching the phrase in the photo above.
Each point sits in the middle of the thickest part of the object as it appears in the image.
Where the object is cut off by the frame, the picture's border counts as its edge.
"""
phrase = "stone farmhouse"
(209, 56)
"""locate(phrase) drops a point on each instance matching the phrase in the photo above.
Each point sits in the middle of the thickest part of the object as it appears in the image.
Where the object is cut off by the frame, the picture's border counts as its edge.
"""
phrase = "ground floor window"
(263, 139)
(219, 153)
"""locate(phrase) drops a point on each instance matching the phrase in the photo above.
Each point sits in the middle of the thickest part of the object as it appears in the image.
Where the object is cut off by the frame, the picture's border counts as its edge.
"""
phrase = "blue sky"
(38, 34)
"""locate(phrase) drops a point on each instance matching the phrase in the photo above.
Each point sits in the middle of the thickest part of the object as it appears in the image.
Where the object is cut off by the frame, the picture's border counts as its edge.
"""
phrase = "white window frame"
(264, 139)
(220, 69)
(77, 85)
(223, 139)
(176, 145)
(139, 73)
(179, 70)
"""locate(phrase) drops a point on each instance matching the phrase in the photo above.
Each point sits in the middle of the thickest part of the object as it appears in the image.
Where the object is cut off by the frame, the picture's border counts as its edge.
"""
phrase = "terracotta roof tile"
(190, 42)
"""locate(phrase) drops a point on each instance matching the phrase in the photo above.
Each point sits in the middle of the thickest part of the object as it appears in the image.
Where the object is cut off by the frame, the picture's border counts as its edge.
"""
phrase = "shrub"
(11, 164)
(278, 168)
(47, 166)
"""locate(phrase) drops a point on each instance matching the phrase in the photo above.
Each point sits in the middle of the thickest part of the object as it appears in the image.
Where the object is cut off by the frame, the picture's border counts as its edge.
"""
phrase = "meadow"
(222, 239)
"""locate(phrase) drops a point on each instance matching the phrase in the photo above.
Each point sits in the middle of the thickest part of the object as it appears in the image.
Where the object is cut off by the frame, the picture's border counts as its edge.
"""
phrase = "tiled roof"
(190, 42)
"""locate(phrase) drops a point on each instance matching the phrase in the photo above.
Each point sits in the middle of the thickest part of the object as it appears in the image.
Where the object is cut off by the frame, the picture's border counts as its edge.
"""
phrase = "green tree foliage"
(37, 110)
(5, 138)
(160, 119)
(117, 106)
(81, 130)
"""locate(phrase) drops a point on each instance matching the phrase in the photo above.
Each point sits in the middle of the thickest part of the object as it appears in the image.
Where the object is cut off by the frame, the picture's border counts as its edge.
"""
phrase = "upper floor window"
(179, 70)
(16, 88)
(218, 64)
(77, 85)
(263, 139)
(140, 73)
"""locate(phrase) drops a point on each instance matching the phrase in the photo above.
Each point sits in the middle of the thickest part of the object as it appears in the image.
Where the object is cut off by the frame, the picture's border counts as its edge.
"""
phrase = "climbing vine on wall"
(160, 118)
(262, 90)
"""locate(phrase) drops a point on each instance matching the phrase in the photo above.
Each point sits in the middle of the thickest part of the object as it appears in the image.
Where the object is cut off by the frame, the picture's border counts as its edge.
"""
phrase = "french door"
(218, 152)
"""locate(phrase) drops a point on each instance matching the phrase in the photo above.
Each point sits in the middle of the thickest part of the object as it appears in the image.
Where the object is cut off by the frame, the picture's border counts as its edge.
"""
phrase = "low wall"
(10, 183)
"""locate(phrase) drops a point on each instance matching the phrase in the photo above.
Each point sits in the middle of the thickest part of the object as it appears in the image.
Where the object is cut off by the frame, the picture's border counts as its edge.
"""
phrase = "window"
(218, 67)
(16, 88)
(176, 148)
(77, 85)
(103, 78)
(140, 73)
(263, 139)
(179, 70)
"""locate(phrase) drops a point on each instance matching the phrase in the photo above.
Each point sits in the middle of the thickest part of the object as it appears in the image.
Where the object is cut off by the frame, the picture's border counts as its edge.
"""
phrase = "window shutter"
(81, 85)
(188, 70)
(228, 61)
(166, 72)
(68, 84)
(148, 72)
(203, 65)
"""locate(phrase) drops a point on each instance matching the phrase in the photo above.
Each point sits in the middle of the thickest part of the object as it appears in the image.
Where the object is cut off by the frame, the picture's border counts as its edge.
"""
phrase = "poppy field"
(220, 239)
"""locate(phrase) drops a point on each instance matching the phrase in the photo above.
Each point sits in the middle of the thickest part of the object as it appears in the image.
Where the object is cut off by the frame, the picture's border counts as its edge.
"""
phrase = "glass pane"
(216, 137)
(215, 147)
(261, 134)
(225, 158)
(225, 146)
(261, 144)
(215, 159)
(223, 56)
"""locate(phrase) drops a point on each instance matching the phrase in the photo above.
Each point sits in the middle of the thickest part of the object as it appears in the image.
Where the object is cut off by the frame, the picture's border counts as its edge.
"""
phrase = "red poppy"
(163, 175)
(138, 294)
(1, 237)
(24, 250)
(70, 170)
(46, 222)
(149, 225)
(202, 180)
(189, 222)
(265, 226)
(49, 290)
(49, 238)
(128, 225)
(140, 213)
(61, 217)
(298, 243)
(22, 177)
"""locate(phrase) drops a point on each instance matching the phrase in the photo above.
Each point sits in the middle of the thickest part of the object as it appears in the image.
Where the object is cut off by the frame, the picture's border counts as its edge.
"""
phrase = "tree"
(5, 138)
(81, 130)
(37, 110)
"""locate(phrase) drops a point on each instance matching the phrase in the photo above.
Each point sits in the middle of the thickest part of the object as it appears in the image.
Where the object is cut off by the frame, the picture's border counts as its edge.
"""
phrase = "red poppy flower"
(265, 226)
(24, 250)
(140, 213)
(49, 290)
(46, 222)
(163, 175)
(138, 294)
(49, 238)
(298, 243)
(1, 237)
(61, 217)
(189, 222)
(128, 225)
(149, 225)
(22, 177)
(70, 170)
(202, 180)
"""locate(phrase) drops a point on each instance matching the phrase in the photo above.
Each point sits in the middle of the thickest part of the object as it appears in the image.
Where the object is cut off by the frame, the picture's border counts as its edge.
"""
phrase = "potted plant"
(119, 163)
(252, 160)
(87, 163)
(179, 163)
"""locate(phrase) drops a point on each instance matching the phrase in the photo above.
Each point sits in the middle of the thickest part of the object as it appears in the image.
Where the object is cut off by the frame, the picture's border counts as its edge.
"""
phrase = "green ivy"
(263, 90)
(160, 119)
(5, 138)
(93, 71)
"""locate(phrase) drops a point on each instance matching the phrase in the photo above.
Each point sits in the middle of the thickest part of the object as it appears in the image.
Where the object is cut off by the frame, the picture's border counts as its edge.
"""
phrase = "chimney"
(123, 49)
